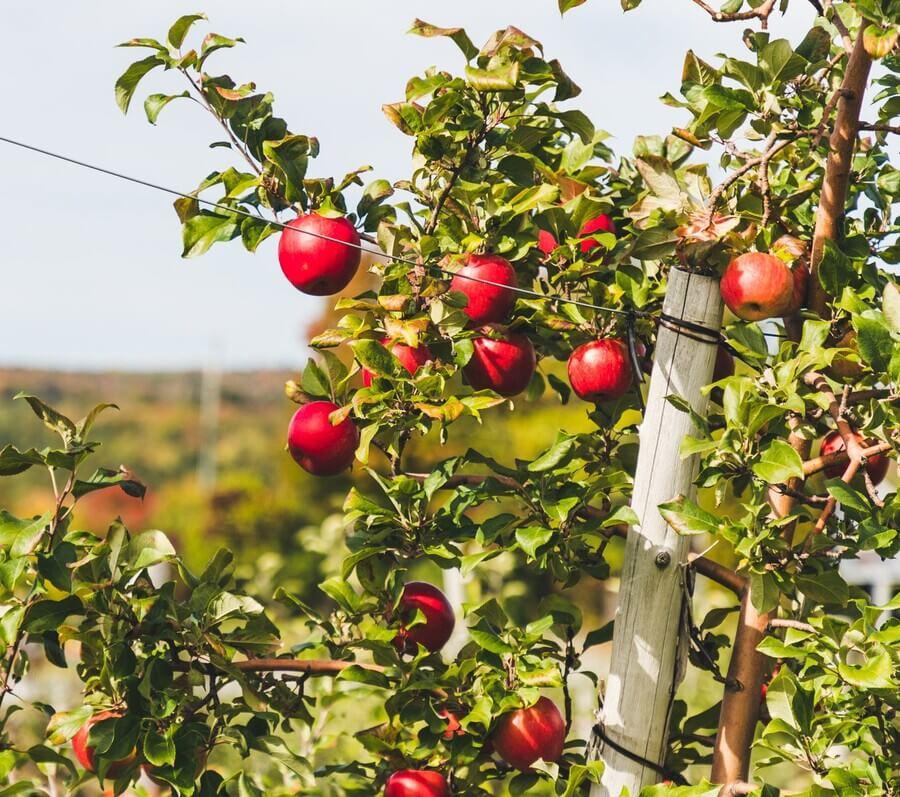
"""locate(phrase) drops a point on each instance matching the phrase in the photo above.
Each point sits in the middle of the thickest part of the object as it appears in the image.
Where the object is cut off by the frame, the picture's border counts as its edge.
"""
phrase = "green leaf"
(778, 462)
(128, 82)
(154, 104)
(874, 340)
(490, 641)
(159, 749)
(826, 588)
(13, 461)
(341, 593)
(458, 35)
(372, 355)
(835, 269)
(599, 636)
(20, 537)
(764, 592)
(200, 232)
(579, 123)
(103, 478)
(686, 517)
(891, 306)
(568, 5)
(53, 420)
(41, 754)
(560, 452)
(65, 724)
(180, 29)
(876, 673)
(49, 615)
(291, 156)
(847, 496)
(147, 549)
(364, 675)
(499, 78)
(780, 62)
(530, 538)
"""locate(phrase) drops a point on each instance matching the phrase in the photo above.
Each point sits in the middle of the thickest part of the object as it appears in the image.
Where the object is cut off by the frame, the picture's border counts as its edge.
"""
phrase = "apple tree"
(520, 241)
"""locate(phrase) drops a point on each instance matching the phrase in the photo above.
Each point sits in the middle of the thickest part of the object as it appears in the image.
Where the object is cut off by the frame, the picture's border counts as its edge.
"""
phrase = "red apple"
(453, 727)
(757, 286)
(523, 736)
(724, 366)
(488, 303)
(546, 241)
(600, 370)
(317, 445)
(601, 223)
(800, 275)
(85, 753)
(411, 358)
(504, 365)
(876, 467)
(795, 253)
(318, 266)
(416, 783)
(434, 632)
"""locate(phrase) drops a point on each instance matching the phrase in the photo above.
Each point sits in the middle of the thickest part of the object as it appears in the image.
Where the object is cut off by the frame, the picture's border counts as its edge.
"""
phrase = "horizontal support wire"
(678, 325)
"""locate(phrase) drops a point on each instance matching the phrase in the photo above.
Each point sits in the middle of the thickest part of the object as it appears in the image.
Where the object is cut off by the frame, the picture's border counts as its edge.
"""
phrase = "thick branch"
(819, 463)
(829, 217)
(880, 128)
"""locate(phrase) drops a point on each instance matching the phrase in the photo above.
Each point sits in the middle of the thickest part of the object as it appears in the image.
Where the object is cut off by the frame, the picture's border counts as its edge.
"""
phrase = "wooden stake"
(649, 641)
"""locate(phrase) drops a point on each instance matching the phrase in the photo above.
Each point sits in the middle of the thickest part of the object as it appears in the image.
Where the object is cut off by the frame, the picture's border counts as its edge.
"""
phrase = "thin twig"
(225, 126)
(782, 622)
(762, 13)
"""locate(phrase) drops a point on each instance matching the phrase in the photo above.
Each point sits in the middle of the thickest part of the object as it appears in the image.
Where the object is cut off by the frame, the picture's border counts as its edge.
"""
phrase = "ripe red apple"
(523, 736)
(601, 223)
(504, 365)
(411, 358)
(795, 253)
(757, 286)
(487, 303)
(546, 241)
(317, 445)
(600, 370)
(85, 753)
(876, 467)
(453, 727)
(434, 632)
(318, 266)
(416, 783)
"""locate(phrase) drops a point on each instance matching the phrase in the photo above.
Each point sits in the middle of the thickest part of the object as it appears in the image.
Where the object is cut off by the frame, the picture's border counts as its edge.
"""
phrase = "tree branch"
(830, 214)
(762, 13)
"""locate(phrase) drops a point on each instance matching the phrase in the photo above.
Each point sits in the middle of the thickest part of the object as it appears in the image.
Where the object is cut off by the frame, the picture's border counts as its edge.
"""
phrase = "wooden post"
(648, 651)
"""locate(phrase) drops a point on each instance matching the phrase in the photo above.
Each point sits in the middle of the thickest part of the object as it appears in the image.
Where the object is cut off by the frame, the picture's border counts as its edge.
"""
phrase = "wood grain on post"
(648, 642)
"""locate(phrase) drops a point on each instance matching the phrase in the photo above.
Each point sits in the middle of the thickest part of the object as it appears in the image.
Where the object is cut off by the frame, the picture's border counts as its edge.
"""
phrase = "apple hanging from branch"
(316, 265)
(319, 446)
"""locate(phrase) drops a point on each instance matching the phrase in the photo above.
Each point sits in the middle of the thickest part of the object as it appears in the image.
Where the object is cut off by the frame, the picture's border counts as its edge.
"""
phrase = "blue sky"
(91, 270)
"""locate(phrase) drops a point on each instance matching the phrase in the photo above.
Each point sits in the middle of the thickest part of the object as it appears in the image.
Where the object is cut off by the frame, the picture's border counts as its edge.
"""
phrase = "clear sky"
(90, 268)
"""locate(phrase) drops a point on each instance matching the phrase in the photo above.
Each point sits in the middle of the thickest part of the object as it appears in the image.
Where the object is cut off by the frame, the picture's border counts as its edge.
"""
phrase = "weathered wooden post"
(647, 650)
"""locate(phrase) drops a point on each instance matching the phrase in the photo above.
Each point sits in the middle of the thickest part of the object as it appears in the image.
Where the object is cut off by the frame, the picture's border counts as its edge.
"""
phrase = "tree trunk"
(648, 651)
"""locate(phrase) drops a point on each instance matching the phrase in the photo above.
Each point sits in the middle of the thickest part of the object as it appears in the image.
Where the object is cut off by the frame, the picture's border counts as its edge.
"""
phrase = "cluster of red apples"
(319, 256)
(502, 360)
(520, 737)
